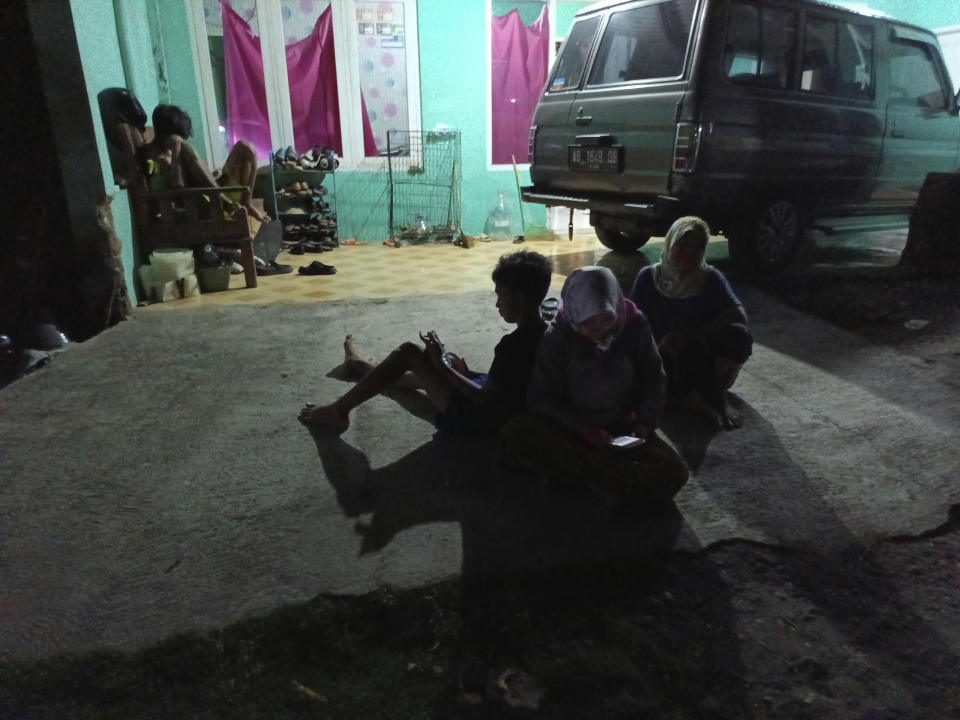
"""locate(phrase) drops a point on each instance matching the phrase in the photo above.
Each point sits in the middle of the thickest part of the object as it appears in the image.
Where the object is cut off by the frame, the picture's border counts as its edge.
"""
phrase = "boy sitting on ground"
(466, 402)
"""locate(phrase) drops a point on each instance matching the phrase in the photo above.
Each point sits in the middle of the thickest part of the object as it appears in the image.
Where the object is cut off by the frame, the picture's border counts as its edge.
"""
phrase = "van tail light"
(686, 147)
(531, 145)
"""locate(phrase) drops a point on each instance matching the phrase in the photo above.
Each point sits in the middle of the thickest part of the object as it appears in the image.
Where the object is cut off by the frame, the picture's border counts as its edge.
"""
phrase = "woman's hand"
(638, 428)
(593, 436)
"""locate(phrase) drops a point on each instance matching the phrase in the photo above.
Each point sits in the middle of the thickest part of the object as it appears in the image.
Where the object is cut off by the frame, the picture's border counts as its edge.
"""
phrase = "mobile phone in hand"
(626, 441)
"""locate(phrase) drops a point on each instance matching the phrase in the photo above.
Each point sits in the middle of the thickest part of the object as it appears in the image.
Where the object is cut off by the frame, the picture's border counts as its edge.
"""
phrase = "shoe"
(273, 268)
(315, 246)
(297, 249)
(236, 268)
(317, 268)
(290, 154)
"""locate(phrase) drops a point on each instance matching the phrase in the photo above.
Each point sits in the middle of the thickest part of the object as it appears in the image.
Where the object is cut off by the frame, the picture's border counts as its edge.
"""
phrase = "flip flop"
(317, 268)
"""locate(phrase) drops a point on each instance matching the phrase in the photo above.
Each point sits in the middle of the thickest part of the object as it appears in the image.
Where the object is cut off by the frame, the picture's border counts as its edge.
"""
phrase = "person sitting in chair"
(170, 161)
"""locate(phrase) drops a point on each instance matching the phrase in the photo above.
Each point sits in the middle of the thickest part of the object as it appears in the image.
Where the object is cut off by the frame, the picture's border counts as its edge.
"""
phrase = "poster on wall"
(382, 59)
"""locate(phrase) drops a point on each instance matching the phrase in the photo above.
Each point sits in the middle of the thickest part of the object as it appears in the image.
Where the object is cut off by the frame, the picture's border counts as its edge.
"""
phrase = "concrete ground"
(155, 479)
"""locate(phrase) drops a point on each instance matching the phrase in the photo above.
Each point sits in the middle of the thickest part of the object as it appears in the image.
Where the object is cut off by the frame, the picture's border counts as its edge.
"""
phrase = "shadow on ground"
(546, 574)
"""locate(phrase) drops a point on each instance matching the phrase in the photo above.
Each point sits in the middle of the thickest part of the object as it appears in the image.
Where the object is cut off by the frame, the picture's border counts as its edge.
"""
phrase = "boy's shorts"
(462, 417)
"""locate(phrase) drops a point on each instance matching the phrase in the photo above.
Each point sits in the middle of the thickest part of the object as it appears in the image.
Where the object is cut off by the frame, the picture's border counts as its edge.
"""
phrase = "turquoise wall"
(136, 51)
(178, 83)
(96, 29)
(529, 11)
(926, 13)
(453, 81)
(565, 13)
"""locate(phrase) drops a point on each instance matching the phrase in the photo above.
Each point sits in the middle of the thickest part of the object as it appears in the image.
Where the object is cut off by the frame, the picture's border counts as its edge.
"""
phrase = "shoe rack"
(304, 198)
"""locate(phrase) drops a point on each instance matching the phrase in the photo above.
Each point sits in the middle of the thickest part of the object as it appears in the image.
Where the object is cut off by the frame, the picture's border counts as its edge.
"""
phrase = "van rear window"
(644, 43)
(573, 58)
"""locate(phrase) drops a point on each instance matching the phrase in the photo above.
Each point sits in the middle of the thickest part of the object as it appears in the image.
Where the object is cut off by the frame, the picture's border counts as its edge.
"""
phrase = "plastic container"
(214, 279)
(171, 265)
(499, 224)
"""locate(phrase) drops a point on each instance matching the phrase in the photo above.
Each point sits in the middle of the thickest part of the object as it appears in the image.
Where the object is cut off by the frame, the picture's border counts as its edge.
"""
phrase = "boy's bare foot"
(732, 419)
(326, 416)
(354, 365)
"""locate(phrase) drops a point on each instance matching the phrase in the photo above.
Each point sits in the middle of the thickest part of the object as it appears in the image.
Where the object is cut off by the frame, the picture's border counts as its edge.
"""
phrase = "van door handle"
(897, 133)
(584, 119)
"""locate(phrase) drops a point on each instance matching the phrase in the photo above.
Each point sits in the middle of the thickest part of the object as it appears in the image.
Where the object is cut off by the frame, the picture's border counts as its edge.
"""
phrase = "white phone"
(626, 441)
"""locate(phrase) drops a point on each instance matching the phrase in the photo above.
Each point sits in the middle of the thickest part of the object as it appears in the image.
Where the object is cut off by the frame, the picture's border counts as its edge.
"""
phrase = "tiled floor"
(376, 271)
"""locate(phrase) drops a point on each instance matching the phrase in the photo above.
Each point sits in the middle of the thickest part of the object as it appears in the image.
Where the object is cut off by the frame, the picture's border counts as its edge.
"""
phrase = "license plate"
(595, 159)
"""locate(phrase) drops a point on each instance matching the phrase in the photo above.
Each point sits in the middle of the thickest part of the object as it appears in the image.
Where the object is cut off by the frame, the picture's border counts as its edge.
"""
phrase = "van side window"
(855, 55)
(644, 43)
(818, 70)
(573, 58)
(760, 42)
(837, 59)
(914, 79)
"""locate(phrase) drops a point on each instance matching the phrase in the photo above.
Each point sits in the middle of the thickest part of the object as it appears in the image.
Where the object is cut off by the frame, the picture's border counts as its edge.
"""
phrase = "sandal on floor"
(317, 268)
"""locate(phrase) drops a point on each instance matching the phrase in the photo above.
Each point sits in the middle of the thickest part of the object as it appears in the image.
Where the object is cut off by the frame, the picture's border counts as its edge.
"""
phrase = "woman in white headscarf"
(598, 378)
(698, 322)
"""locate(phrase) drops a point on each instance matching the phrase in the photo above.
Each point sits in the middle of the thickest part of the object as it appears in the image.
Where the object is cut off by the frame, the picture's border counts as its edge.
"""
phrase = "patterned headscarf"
(669, 280)
(590, 291)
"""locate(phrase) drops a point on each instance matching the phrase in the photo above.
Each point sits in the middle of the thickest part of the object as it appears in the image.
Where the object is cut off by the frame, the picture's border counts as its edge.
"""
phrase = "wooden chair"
(180, 217)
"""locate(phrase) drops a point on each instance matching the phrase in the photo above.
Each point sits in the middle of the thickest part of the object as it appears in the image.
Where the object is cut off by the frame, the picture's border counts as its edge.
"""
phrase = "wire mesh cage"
(362, 201)
(424, 190)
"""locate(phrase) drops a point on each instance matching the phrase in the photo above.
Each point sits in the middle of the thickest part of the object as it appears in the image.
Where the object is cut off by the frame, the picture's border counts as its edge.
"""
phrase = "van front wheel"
(620, 241)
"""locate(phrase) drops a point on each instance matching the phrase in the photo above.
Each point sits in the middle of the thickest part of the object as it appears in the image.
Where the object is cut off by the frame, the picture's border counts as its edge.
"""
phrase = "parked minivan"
(761, 116)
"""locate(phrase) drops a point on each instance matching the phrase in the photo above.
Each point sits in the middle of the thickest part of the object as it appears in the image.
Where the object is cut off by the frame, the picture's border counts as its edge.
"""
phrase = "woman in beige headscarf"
(698, 322)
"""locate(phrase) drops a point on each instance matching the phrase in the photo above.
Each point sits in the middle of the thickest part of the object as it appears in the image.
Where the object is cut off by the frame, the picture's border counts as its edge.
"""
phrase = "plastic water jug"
(499, 225)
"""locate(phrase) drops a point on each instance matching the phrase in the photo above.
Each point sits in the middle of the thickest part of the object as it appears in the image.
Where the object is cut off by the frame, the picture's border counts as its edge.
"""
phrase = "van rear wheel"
(619, 241)
(772, 237)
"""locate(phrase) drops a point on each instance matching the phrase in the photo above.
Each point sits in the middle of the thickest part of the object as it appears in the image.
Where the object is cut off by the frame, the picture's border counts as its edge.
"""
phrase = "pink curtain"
(246, 92)
(519, 60)
(312, 75)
